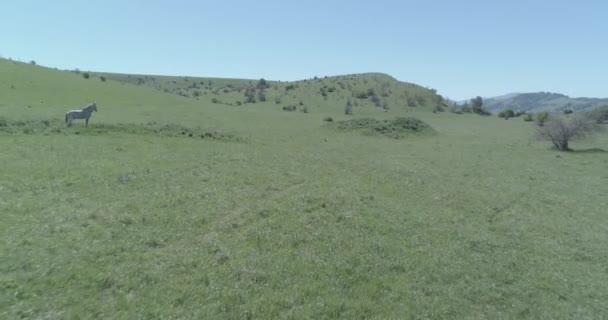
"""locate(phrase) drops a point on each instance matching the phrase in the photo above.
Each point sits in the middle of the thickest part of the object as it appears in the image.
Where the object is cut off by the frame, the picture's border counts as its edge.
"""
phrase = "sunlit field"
(177, 207)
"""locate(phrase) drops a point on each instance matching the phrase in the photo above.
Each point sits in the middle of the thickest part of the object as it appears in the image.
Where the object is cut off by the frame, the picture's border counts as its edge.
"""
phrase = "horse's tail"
(66, 118)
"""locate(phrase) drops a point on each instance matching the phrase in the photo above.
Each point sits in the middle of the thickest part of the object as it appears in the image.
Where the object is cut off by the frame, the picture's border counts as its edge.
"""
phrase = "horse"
(84, 113)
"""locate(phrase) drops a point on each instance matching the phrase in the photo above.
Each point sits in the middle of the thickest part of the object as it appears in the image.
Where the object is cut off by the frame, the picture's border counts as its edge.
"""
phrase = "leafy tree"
(529, 117)
(541, 117)
(477, 106)
(262, 85)
(506, 114)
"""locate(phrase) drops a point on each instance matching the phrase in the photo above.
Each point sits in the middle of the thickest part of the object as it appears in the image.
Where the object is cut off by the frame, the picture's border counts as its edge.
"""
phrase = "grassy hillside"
(298, 219)
(543, 101)
(364, 90)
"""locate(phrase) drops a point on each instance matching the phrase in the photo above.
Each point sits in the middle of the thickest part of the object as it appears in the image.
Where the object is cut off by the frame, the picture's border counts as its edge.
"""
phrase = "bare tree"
(561, 131)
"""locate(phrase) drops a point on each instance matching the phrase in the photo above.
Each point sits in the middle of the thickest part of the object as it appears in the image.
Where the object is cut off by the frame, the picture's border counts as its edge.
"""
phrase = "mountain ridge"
(542, 101)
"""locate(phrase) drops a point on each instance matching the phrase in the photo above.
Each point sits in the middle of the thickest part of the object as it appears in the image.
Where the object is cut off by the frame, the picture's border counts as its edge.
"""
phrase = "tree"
(261, 96)
(477, 103)
(262, 84)
(506, 114)
(250, 95)
(561, 131)
(541, 117)
(349, 108)
(477, 106)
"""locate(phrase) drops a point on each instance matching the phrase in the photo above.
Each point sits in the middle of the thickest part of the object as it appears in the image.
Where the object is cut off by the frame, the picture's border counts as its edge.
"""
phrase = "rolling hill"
(142, 215)
(542, 101)
(364, 90)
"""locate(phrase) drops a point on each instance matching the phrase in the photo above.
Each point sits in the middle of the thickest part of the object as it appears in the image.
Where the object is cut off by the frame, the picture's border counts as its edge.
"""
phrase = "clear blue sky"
(461, 48)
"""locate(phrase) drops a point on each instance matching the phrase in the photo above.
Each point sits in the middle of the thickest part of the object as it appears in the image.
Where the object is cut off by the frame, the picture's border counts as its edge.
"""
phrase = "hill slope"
(542, 101)
(300, 220)
(364, 90)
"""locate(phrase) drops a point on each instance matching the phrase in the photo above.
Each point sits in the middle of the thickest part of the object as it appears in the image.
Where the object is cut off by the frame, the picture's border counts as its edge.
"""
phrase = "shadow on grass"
(592, 150)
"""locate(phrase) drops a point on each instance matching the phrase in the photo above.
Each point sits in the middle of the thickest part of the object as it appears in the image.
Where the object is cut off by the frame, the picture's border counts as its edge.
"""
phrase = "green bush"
(541, 117)
(506, 114)
(529, 117)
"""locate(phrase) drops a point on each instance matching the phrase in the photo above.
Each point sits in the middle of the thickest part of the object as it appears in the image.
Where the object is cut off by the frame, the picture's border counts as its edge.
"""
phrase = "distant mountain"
(542, 101)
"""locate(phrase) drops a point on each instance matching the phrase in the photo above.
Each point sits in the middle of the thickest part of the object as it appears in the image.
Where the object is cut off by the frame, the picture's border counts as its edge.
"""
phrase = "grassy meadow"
(282, 215)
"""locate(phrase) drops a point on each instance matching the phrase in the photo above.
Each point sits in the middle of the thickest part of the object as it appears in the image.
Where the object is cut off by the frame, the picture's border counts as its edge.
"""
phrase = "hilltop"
(542, 101)
(31, 86)
(363, 90)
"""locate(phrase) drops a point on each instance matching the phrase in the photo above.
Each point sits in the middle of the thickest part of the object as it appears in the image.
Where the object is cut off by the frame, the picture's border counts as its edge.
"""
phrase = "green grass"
(295, 220)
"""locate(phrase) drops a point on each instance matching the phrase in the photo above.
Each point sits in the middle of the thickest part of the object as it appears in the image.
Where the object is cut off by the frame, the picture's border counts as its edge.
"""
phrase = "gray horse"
(84, 113)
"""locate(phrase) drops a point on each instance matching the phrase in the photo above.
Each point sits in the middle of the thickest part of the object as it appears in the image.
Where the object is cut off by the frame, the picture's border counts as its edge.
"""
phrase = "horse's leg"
(86, 122)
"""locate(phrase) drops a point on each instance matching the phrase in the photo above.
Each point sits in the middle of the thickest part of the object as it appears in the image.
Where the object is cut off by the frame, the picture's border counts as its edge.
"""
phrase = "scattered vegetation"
(57, 126)
(506, 114)
(395, 128)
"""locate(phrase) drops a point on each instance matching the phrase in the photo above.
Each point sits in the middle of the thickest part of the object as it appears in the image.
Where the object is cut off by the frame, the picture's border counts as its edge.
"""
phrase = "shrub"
(33, 62)
(506, 114)
(305, 109)
(277, 100)
(438, 108)
(102, 78)
(86, 75)
(289, 108)
(215, 100)
(376, 100)
(250, 95)
(328, 119)
(541, 118)
(519, 113)
(455, 109)
(529, 117)
(348, 110)
(261, 96)
(600, 114)
(568, 111)
(361, 95)
(560, 131)
(411, 102)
